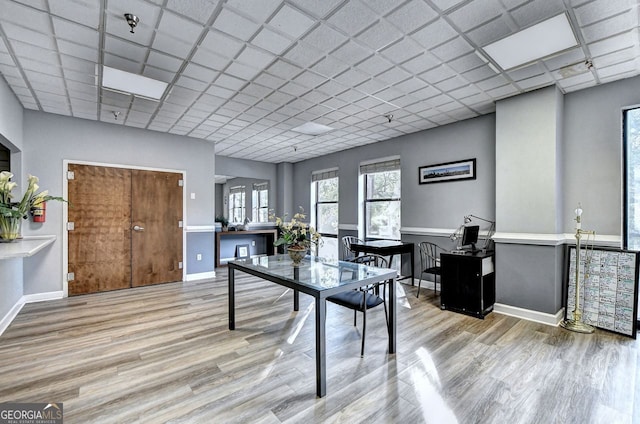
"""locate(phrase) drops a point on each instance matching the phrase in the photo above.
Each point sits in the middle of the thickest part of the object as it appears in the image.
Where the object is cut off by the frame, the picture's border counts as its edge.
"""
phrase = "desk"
(236, 237)
(319, 278)
(386, 248)
(468, 283)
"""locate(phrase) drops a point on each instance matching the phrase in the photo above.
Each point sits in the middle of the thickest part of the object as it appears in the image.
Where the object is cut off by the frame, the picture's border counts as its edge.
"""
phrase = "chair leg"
(355, 318)
(364, 329)
(419, 282)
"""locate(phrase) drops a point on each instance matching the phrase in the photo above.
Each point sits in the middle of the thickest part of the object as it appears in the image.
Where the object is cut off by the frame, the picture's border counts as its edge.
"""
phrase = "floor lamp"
(575, 323)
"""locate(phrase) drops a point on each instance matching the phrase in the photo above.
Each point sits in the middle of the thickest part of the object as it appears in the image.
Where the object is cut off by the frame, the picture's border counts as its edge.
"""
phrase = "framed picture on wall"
(242, 251)
(450, 171)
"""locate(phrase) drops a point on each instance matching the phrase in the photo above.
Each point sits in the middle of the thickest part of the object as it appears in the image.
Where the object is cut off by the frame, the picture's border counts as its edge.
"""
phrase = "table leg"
(296, 300)
(232, 300)
(392, 316)
(321, 347)
(412, 268)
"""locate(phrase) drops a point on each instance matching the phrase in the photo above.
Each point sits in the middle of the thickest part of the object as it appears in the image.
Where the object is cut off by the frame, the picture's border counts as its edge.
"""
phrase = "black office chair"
(366, 297)
(429, 263)
(347, 253)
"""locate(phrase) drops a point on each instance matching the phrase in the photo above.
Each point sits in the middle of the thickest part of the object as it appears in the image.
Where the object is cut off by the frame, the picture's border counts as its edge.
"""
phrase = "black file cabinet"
(468, 283)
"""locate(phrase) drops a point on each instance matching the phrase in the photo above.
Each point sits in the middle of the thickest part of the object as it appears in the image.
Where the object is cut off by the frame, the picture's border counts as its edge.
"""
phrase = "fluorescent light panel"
(538, 41)
(132, 83)
(311, 128)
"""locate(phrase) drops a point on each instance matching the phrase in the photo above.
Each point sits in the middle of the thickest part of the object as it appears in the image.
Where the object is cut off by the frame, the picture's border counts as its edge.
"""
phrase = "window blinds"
(324, 175)
(388, 165)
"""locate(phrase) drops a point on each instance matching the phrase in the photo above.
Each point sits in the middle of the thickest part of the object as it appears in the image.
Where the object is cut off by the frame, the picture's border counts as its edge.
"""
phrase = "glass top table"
(320, 278)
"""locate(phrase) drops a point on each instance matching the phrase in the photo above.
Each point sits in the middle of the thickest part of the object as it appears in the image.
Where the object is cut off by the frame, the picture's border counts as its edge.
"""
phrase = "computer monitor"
(470, 236)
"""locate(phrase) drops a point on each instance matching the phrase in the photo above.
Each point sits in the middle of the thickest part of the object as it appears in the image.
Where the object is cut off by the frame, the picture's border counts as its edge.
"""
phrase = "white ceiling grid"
(243, 73)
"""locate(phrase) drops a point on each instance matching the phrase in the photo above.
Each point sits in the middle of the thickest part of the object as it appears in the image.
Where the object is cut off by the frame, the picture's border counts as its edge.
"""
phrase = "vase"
(297, 254)
(9, 228)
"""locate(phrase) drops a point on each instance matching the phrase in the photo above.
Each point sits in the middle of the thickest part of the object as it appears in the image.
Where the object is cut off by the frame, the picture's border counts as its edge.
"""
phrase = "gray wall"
(51, 138)
(441, 205)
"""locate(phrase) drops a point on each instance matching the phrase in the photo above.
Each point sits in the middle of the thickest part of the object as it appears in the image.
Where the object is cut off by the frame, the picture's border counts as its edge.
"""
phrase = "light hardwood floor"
(164, 353)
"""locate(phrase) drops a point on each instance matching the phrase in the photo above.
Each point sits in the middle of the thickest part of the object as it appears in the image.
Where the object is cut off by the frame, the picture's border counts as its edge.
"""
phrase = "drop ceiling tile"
(235, 25)
(284, 70)
(25, 16)
(434, 34)
(191, 83)
(618, 42)
(269, 81)
(291, 21)
(271, 41)
(529, 71)
(123, 64)
(172, 46)
(230, 82)
(393, 76)
(352, 17)
(255, 57)
(537, 11)
(412, 15)
(577, 80)
(445, 5)
(609, 27)
(318, 8)
(74, 32)
(380, 35)
(179, 27)
(451, 83)
(452, 49)
(210, 60)
(410, 85)
(352, 77)
(465, 91)
(325, 38)
(479, 74)
(501, 92)
(159, 74)
(466, 63)
(303, 55)
(198, 10)
(402, 50)
(421, 63)
(475, 13)
(492, 31)
(125, 49)
(242, 71)
(332, 88)
(117, 25)
(77, 50)
(256, 90)
(614, 58)
(479, 98)
(371, 87)
(488, 84)
(221, 44)
(437, 74)
(624, 68)
(309, 79)
(15, 32)
(81, 77)
(535, 82)
(374, 65)
(351, 95)
(329, 67)
(599, 10)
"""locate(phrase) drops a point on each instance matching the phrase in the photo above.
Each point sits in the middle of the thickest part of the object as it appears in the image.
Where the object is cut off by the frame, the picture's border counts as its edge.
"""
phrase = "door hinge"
(71, 175)
(71, 276)
(180, 224)
(71, 226)
(179, 265)
(180, 183)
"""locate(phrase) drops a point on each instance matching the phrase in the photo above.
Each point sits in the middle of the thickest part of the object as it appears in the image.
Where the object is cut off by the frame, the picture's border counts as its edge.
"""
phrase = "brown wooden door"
(100, 243)
(156, 238)
(105, 253)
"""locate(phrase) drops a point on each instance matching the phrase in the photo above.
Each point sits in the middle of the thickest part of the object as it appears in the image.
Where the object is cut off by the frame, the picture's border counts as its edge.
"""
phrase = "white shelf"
(25, 247)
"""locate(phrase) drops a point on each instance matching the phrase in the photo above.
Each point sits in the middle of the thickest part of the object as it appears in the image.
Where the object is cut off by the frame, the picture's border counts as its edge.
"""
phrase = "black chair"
(366, 297)
(429, 263)
(347, 253)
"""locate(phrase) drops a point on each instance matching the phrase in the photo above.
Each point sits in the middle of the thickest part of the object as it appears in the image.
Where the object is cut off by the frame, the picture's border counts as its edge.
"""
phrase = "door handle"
(138, 228)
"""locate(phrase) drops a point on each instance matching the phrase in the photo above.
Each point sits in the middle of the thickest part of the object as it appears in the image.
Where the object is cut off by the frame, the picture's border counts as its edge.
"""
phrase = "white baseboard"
(530, 315)
(28, 298)
(201, 276)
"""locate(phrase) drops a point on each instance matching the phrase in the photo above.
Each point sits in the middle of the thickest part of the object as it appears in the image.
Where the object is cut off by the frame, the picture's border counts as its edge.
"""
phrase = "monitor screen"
(470, 236)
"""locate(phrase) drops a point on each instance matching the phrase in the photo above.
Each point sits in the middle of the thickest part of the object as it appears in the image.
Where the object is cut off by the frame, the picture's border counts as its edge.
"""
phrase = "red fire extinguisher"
(39, 212)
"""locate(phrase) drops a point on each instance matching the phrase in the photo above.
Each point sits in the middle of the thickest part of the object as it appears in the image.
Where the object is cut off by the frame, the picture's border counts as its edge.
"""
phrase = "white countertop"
(25, 247)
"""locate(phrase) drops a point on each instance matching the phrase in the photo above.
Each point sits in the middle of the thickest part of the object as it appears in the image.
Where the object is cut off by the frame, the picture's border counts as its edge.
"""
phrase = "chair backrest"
(372, 259)
(429, 254)
(346, 245)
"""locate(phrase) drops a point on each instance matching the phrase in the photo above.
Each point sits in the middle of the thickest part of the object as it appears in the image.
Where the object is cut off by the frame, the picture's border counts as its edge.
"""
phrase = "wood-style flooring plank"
(164, 354)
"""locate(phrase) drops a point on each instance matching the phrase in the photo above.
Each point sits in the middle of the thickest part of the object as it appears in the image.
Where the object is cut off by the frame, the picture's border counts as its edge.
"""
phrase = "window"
(325, 191)
(260, 201)
(382, 200)
(631, 123)
(236, 204)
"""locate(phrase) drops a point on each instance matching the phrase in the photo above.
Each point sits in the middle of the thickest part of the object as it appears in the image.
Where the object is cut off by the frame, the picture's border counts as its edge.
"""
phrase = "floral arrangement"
(11, 211)
(296, 234)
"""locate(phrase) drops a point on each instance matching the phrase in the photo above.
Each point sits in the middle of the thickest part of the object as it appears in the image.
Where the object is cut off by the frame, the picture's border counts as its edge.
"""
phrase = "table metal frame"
(387, 248)
(320, 295)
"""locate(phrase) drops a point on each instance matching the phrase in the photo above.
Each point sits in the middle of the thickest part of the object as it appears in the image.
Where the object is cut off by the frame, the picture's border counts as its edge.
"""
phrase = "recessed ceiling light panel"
(538, 41)
(311, 128)
(132, 83)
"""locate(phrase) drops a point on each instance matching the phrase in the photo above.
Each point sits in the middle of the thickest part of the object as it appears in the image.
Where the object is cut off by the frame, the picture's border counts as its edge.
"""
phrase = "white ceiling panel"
(242, 73)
